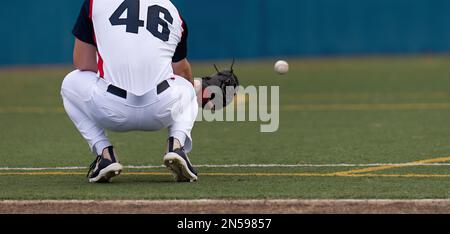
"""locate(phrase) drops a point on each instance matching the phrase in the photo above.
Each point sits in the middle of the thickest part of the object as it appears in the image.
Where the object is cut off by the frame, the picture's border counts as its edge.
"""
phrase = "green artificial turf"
(332, 111)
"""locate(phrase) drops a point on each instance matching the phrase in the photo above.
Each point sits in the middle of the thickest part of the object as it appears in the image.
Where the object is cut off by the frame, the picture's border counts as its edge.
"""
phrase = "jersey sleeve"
(84, 28)
(181, 51)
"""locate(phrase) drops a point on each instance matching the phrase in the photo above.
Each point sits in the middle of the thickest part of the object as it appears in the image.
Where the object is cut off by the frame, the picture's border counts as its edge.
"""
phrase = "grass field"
(355, 128)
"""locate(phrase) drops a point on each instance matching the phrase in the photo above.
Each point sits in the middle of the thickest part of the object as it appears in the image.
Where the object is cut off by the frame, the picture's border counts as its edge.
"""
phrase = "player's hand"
(219, 89)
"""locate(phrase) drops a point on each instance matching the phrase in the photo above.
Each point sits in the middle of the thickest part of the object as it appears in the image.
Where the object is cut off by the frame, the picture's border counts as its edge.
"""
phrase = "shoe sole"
(179, 168)
(107, 173)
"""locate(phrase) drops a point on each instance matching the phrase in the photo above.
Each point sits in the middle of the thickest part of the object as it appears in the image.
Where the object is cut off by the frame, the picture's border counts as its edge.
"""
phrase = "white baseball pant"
(93, 106)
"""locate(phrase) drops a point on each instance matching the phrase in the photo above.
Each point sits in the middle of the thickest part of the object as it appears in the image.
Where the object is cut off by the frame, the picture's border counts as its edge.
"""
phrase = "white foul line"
(233, 166)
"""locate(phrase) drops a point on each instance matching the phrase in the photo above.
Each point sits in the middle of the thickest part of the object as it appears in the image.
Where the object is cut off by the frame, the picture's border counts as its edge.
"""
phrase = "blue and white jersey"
(136, 40)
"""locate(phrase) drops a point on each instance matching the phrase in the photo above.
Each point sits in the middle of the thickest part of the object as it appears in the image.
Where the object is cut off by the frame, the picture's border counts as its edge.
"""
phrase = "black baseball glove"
(219, 89)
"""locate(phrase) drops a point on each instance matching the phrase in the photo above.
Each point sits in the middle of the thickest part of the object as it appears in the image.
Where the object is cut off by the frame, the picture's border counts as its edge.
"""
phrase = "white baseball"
(281, 67)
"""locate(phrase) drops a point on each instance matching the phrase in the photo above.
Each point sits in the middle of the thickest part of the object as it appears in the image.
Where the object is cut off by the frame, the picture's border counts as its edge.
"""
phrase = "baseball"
(281, 67)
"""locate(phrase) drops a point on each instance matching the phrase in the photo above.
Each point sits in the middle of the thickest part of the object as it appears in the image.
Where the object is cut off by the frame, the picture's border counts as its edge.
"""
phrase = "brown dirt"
(227, 207)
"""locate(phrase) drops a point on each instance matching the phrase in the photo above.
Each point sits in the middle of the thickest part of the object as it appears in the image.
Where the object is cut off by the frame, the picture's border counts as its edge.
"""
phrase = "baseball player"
(133, 74)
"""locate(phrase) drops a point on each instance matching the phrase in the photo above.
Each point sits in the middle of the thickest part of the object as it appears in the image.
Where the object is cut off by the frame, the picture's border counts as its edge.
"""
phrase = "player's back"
(136, 41)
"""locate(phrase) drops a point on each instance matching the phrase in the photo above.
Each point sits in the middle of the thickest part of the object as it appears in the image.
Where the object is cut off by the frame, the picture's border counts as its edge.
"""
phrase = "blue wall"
(39, 31)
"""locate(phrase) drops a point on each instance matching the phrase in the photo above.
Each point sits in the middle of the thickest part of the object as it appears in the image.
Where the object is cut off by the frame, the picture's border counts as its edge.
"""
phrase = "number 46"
(133, 22)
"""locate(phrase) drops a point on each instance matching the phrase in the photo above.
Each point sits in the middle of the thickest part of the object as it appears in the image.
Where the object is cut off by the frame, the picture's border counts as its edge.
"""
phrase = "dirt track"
(228, 207)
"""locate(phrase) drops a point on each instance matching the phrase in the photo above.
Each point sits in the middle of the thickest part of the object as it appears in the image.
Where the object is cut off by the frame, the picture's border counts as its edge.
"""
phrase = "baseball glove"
(223, 83)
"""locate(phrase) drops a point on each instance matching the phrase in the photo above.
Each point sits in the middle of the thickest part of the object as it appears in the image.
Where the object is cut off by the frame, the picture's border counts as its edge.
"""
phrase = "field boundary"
(360, 172)
(290, 107)
(396, 165)
(240, 174)
(386, 167)
(294, 206)
(367, 107)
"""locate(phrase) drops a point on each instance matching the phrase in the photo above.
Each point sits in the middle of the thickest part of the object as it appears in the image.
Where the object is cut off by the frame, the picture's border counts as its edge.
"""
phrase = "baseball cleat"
(182, 169)
(103, 170)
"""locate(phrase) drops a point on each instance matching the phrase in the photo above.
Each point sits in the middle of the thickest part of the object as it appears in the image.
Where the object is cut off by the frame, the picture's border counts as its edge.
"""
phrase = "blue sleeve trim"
(84, 28)
(182, 50)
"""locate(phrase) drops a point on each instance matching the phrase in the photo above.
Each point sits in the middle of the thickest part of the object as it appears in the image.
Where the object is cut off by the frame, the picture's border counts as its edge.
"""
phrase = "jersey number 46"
(157, 26)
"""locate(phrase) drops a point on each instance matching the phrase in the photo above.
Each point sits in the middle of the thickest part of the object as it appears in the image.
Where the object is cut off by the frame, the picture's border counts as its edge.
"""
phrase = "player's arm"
(85, 56)
(85, 49)
(180, 64)
(183, 69)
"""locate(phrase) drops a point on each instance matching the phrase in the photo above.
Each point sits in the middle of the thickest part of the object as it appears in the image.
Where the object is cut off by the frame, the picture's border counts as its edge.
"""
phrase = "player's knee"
(69, 80)
(74, 81)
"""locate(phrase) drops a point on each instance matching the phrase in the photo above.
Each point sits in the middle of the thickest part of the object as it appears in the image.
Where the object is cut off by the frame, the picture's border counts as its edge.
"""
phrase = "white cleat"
(181, 167)
(103, 170)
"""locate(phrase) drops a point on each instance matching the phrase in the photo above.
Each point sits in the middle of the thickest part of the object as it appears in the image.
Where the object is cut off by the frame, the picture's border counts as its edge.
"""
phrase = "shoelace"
(93, 164)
